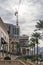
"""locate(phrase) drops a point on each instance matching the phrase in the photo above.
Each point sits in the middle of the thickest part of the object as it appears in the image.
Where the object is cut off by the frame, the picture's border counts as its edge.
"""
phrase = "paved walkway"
(14, 57)
(11, 62)
(15, 61)
(28, 62)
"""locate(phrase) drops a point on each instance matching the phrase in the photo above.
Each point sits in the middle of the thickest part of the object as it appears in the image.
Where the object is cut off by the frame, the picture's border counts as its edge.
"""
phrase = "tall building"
(13, 30)
(14, 34)
(10, 36)
(15, 38)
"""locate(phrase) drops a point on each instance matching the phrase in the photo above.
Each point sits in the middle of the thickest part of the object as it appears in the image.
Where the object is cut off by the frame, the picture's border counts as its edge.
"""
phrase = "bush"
(26, 57)
(7, 58)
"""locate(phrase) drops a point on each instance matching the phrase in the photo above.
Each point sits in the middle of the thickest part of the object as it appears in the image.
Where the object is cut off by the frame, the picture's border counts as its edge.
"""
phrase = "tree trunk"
(37, 50)
(34, 52)
(13, 47)
(3, 50)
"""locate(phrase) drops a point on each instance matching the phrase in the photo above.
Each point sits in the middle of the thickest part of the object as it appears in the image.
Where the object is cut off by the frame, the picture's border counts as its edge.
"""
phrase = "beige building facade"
(4, 37)
(24, 40)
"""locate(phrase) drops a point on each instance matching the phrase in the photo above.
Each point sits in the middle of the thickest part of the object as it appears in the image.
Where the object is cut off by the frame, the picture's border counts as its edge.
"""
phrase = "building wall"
(14, 30)
(25, 50)
(24, 40)
(14, 33)
(3, 33)
(5, 36)
(13, 41)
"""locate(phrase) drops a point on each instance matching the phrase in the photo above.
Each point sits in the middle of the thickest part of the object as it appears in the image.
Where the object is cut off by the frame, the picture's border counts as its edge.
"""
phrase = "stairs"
(11, 62)
(27, 62)
(16, 62)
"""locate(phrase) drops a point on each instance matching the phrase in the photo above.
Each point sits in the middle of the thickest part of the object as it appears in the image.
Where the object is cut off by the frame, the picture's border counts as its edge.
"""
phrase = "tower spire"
(16, 14)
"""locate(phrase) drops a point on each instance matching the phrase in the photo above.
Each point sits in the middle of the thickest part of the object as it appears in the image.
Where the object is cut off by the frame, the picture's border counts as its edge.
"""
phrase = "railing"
(28, 62)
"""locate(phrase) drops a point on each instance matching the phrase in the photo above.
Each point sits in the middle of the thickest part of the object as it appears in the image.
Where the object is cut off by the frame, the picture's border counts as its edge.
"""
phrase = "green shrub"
(26, 57)
(7, 58)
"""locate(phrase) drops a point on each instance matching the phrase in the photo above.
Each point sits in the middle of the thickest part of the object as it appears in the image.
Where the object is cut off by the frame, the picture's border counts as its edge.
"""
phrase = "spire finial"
(16, 14)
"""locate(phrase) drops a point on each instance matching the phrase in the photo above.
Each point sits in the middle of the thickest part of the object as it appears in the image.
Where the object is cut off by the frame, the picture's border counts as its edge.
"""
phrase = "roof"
(24, 37)
(9, 24)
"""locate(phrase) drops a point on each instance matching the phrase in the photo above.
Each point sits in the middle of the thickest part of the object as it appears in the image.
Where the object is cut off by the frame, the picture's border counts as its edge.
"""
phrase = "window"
(17, 31)
(2, 35)
(14, 30)
(9, 30)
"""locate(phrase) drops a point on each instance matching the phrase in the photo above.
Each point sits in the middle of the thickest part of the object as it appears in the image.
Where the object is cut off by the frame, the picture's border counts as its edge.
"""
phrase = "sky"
(29, 13)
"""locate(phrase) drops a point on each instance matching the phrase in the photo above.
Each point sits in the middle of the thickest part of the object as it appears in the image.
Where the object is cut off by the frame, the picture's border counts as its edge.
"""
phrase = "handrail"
(22, 62)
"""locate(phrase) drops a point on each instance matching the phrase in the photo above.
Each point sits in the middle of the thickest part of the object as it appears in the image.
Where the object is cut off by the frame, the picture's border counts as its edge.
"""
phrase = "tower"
(16, 14)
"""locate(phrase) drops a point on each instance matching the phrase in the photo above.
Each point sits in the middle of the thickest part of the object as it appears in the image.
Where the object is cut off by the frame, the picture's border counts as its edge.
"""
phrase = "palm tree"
(36, 36)
(39, 25)
(33, 44)
(12, 47)
(18, 47)
(30, 47)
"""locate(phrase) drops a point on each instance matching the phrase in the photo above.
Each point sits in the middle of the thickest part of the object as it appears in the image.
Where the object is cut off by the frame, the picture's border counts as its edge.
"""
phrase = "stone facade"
(23, 40)
(4, 35)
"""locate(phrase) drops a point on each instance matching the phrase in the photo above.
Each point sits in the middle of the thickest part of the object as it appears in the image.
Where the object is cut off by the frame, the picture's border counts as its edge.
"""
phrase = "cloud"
(30, 11)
